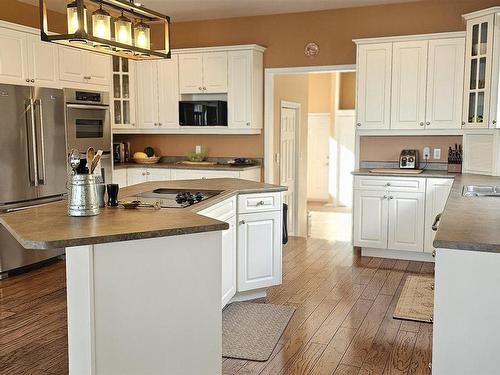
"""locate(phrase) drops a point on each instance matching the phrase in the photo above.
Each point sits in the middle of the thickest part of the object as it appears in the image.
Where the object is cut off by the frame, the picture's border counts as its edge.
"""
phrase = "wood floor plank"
(346, 370)
(422, 353)
(304, 362)
(401, 355)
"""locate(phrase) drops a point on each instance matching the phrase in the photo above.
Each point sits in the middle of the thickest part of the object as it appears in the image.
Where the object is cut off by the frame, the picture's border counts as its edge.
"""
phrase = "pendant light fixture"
(123, 39)
(142, 33)
(72, 15)
(101, 24)
(123, 31)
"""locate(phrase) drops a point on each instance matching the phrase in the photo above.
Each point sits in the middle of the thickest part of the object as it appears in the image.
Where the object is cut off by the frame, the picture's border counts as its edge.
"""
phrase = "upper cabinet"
(123, 92)
(409, 83)
(203, 73)
(482, 69)
(83, 67)
(374, 65)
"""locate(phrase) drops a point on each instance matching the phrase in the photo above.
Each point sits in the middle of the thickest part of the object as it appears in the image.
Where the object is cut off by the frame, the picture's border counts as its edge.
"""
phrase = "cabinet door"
(406, 221)
(215, 72)
(147, 94)
(239, 96)
(191, 73)
(436, 195)
(120, 177)
(259, 250)
(136, 176)
(478, 70)
(71, 64)
(97, 68)
(168, 96)
(409, 76)
(13, 57)
(193, 174)
(370, 218)
(44, 62)
(229, 261)
(373, 108)
(445, 79)
(158, 174)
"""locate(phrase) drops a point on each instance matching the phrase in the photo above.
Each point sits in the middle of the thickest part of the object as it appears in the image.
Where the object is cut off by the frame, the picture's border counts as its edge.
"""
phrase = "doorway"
(315, 160)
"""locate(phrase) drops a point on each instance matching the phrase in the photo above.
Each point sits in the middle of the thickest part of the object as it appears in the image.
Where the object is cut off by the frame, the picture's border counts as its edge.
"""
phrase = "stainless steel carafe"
(82, 195)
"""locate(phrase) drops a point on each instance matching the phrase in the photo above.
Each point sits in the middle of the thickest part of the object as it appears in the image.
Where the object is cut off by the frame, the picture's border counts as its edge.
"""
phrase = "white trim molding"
(405, 38)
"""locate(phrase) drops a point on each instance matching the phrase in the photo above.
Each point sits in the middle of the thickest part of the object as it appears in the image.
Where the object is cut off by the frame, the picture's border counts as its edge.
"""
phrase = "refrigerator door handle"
(40, 145)
(30, 125)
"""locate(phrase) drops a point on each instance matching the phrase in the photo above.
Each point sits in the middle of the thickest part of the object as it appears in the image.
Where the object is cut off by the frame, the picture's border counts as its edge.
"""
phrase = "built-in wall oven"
(88, 124)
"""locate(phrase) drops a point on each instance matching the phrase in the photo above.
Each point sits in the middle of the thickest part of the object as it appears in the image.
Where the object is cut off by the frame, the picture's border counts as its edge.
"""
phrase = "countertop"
(470, 223)
(48, 226)
(425, 173)
(175, 165)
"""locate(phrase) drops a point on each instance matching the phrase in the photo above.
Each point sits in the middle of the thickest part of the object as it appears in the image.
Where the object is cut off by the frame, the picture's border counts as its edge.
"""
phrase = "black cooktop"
(175, 198)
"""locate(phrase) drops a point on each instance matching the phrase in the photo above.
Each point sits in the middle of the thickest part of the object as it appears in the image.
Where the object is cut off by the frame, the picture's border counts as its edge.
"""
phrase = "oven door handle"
(86, 106)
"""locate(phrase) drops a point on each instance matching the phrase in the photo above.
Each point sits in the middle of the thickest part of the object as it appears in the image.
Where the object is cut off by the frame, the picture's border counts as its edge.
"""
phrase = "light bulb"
(101, 24)
(123, 30)
(142, 35)
(72, 18)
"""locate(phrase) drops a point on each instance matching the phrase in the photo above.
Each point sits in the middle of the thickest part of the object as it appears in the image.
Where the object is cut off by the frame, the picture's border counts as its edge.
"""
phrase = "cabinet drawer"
(259, 202)
(390, 183)
(221, 211)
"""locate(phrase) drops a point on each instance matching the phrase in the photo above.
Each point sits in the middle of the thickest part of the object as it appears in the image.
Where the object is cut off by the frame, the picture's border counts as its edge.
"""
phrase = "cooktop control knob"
(198, 196)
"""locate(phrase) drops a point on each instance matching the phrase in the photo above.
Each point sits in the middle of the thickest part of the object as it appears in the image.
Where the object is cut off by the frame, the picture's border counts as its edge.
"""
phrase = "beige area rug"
(417, 300)
(251, 330)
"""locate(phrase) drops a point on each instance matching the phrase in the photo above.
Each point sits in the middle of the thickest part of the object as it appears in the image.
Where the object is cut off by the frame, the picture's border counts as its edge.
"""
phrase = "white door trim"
(298, 108)
(269, 74)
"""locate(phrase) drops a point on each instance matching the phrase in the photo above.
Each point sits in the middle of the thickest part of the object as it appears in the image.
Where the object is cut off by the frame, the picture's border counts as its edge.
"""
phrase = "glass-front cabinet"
(481, 62)
(123, 93)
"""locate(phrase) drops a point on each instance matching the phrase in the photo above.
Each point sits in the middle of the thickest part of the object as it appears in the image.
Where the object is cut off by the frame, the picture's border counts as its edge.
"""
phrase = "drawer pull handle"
(260, 203)
(435, 224)
(388, 184)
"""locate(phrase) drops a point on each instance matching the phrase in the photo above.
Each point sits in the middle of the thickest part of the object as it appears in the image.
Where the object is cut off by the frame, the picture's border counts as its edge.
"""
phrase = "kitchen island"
(144, 286)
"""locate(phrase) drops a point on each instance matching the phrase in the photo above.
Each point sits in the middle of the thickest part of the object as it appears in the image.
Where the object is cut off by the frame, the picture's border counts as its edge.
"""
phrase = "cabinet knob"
(494, 122)
(421, 124)
(148, 173)
(156, 124)
(388, 184)
(204, 88)
(248, 124)
(32, 80)
(428, 123)
(27, 79)
(242, 222)
(384, 197)
(200, 88)
(433, 253)
(391, 197)
(358, 124)
(463, 122)
(143, 173)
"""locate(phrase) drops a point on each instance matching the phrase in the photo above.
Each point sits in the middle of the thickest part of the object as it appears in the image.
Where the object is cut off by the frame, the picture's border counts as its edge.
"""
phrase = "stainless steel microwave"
(203, 113)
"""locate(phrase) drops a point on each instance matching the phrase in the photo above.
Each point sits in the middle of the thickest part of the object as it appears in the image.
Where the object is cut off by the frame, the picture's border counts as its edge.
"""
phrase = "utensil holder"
(82, 195)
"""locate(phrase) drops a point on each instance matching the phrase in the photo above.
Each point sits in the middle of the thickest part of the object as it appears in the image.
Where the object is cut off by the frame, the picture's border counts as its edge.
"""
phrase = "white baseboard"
(397, 254)
(249, 295)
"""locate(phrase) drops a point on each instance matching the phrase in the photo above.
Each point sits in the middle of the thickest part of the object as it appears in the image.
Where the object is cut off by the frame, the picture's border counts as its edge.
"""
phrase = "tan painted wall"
(388, 148)
(294, 88)
(320, 92)
(28, 15)
(347, 90)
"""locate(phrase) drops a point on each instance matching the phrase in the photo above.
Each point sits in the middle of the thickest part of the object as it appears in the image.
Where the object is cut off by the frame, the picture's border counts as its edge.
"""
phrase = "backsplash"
(225, 146)
(387, 148)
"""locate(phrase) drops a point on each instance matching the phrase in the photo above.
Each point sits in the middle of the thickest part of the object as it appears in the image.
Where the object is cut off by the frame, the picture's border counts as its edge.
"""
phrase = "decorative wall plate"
(311, 49)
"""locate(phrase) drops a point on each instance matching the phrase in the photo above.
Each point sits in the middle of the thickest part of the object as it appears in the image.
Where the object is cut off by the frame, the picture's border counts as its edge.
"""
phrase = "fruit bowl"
(148, 160)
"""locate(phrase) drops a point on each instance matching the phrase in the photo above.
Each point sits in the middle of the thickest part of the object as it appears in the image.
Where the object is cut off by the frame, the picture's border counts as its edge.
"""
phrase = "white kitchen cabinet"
(370, 218)
(406, 221)
(259, 250)
(43, 64)
(84, 67)
(445, 77)
(123, 93)
(13, 57)
(203, 73)
(245, 89)
(157, 94)
(373, 104)
(194, 174)
(409, 77)
(436, 196)
(120, 177)
(140, 175)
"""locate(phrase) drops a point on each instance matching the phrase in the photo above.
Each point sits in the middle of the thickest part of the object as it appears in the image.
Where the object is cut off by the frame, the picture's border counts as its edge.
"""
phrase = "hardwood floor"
(343, 323)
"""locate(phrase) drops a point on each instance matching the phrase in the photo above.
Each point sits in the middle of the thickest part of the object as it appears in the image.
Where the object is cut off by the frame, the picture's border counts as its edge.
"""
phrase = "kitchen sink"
(481, 191)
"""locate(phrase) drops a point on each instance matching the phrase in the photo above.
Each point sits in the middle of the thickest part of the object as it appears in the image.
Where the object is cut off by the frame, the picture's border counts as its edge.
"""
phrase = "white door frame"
(298, 109)
(269, 73)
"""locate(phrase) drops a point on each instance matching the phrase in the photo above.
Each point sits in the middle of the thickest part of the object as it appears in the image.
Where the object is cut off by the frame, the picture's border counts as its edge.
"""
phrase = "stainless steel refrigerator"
(32, 161)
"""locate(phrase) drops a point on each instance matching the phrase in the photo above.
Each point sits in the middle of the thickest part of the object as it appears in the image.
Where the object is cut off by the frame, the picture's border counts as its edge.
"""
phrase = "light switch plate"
(437, 153)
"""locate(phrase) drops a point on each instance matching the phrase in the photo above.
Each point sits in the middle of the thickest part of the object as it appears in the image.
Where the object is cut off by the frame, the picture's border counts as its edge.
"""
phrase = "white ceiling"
(188, 10)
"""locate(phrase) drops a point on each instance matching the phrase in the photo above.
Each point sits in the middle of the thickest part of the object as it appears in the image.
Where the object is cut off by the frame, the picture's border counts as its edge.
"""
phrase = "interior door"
(318, 157)
(51, 141)
(17, 158)
(288, 170)
(409, 77)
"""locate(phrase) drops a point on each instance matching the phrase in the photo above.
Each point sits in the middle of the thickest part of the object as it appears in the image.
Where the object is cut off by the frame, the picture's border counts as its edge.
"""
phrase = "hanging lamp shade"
(72, 16)
(142, 34)
(123, 30)
(101, 24)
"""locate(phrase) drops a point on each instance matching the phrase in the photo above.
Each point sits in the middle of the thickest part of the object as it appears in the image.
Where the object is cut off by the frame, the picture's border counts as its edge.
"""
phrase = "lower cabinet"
(194, 174)
(229, 261)
(395, 215)
(140, 175)
(259, 250)
(120, 177)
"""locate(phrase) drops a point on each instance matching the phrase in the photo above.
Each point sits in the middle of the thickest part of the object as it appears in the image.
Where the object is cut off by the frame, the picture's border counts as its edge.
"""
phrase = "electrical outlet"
(426, 153)
(437, 153)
